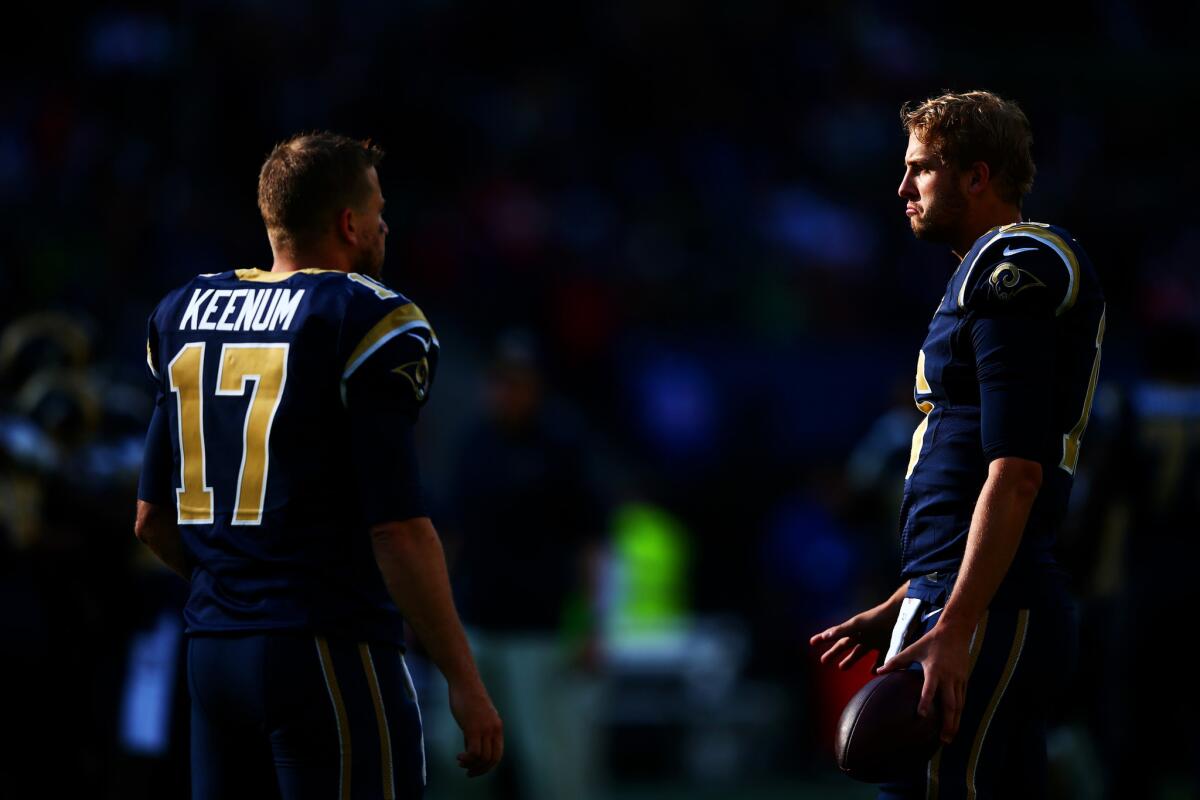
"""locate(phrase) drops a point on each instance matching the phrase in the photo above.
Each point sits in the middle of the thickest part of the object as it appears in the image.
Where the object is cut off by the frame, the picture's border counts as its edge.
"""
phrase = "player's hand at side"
(851, 640)
(483, 732)
(944, 653)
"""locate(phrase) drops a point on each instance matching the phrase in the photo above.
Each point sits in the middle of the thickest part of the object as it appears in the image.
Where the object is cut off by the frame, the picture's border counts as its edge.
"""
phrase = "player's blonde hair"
(964, 127)
(308, 179)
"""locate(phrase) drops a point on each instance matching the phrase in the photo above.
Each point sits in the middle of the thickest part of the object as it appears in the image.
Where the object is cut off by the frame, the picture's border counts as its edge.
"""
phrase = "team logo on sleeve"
(1009, 280)
(417, 373)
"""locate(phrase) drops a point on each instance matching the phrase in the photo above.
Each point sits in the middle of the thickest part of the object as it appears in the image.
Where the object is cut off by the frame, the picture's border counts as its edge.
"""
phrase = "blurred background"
(679, 306)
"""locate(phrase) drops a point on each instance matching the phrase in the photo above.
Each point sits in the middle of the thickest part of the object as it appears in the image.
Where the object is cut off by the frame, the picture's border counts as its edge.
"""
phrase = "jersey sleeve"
(153, 357)
(156, 485)
(390, 357)
(388, 345)
(1011, 306)
(1035, 274)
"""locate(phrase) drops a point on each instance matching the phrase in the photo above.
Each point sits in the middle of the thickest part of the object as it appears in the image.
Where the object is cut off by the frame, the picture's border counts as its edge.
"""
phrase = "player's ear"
(347, 226)
(979, 175)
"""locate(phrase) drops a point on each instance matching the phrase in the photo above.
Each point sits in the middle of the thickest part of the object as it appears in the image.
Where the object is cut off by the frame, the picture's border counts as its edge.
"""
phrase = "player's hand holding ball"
(880, 736)
(944, 655)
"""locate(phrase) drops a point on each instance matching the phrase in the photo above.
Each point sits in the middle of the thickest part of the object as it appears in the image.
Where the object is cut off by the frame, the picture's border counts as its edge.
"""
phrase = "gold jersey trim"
(396, 322)
(339, 712)
(266, 276)
(1043, 234)
(385, 736)
(1014, 656)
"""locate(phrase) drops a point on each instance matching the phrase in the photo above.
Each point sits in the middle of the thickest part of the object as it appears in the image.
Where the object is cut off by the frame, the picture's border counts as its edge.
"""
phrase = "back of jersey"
(284, 420)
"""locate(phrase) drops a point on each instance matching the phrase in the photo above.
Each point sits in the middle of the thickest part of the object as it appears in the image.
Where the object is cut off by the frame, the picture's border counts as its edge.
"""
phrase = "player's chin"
(928, 233)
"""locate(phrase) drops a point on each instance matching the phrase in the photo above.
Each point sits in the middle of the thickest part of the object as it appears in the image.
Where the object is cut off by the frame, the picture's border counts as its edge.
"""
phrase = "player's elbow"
(149, 522)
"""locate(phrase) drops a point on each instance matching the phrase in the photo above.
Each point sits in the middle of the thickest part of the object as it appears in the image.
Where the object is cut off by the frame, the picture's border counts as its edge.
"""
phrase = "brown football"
(880, 736)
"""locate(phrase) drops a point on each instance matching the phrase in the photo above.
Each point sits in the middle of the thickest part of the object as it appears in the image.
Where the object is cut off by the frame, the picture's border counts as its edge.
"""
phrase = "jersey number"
(266, 365)
(918, 437)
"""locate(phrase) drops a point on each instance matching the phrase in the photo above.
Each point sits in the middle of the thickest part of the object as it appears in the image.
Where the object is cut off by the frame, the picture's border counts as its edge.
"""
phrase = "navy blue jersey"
(282, 432)
(1009, 368)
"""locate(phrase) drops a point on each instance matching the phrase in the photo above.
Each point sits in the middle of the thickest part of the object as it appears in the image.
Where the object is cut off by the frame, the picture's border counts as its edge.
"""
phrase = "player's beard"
(370, 262)
(942, 217)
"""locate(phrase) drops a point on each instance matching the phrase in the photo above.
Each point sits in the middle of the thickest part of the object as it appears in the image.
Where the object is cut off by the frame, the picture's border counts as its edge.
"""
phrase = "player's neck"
(291, 261)
(989, 218)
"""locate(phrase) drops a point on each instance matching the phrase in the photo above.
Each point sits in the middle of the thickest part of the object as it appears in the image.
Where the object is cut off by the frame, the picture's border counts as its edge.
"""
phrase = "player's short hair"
(308, 179)
(964, 127)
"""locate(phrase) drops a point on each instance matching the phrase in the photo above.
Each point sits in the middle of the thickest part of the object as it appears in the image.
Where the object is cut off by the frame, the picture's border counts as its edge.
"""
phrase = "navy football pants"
(302, 717)
(1023, 659)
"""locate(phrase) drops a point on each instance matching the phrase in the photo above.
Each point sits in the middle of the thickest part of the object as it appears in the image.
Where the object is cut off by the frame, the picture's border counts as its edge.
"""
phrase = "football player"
(1005, 379)
(280, 480)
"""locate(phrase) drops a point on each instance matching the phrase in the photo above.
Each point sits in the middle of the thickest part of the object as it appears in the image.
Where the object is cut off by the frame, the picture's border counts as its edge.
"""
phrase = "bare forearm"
(410, 557)
(996, 529)
(889, 610)
(894, 602)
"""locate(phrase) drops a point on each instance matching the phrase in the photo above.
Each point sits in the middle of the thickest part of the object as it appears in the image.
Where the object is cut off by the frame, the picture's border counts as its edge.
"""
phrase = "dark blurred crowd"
(676, 293)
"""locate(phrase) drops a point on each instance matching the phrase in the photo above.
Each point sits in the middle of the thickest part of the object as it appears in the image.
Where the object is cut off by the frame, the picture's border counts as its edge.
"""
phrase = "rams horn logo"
(417, 373)
(1009, 280)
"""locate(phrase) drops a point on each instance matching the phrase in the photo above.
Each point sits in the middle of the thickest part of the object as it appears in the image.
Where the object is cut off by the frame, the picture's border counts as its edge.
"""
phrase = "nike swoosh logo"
(931, 614)
(1008, 251)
